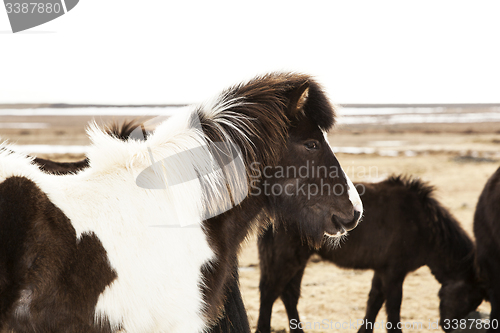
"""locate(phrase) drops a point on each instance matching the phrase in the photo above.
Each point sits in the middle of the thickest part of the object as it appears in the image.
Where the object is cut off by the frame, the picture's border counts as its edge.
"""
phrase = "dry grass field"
(457, 159)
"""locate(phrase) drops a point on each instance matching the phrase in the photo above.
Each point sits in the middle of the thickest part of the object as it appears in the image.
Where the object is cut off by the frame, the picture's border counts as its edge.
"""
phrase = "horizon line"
(344, 105)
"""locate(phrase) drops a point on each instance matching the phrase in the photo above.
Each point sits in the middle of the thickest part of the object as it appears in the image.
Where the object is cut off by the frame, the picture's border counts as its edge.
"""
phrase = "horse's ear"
(298, 99)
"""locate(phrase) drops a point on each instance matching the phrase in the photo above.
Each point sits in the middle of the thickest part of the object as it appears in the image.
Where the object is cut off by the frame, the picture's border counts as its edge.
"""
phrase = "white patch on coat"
(351, 190)
(22, 305)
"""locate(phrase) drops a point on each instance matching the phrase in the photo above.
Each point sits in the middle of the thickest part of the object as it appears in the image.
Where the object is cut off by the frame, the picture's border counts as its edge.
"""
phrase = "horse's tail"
(446, 231)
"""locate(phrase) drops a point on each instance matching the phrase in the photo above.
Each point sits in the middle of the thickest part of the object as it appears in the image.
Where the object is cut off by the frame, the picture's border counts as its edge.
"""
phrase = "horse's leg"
(494, 295)
(290, 298)
(271, 287)
(375, 300)
(490, 266)
(393, 290)
(270, 290)
(281, 257)
(267, 298)
(235, 318)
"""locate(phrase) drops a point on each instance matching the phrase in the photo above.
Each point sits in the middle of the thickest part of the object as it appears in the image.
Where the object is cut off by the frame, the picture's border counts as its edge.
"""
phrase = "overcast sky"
(120, 51)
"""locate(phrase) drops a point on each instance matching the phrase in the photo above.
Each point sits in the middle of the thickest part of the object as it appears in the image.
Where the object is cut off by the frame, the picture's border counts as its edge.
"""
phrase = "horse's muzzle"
(350, 224)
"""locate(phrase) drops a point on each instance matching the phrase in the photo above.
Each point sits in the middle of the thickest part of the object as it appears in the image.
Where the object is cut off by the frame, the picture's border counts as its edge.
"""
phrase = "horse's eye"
(312, 145)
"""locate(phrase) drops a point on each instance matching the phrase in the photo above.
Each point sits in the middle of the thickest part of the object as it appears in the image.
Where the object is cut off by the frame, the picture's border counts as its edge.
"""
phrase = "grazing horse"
(145, 239)
(487, 233)
(404, 228)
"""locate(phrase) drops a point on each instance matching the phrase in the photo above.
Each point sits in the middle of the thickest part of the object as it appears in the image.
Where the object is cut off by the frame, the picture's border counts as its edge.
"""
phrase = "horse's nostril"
(348, 224)
(357, 215)
(354, 222)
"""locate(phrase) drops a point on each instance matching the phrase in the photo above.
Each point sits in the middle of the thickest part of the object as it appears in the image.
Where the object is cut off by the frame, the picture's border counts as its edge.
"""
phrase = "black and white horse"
(145, 239)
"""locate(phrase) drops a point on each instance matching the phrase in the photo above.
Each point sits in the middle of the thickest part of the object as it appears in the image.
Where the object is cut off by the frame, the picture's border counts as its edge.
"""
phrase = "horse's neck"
(230, 228)
(445, 268)
(225, 234)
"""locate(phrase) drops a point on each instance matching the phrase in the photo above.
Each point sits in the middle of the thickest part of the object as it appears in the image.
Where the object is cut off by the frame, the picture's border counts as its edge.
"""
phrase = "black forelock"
(318, 108)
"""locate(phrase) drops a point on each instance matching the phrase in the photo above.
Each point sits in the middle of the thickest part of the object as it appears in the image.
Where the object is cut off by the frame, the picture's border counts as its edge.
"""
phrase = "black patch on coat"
(50, 281)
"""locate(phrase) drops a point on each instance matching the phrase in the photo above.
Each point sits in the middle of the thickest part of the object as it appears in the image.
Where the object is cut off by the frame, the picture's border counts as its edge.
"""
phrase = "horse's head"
(458, 299)
(279, 122)
(305, 184)
(318, 195)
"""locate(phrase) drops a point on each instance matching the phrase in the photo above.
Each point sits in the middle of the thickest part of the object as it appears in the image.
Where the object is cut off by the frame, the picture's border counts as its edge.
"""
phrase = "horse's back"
(60, 168)
(390, 229)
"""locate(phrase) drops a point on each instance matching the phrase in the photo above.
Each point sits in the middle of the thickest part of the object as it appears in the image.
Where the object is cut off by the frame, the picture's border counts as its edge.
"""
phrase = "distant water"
(93, 111)
(349, 111)
(416, 115)
(24, 125)
(50, 149)
(347, 115)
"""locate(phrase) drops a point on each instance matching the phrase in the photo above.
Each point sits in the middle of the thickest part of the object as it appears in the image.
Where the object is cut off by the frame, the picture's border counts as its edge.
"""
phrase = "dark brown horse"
(487, 233)
(105, 249)
(404, 228)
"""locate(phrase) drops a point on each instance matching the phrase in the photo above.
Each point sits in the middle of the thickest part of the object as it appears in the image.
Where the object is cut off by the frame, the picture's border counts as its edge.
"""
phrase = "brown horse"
(106, 249)
(487, 233)
(404, 228)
